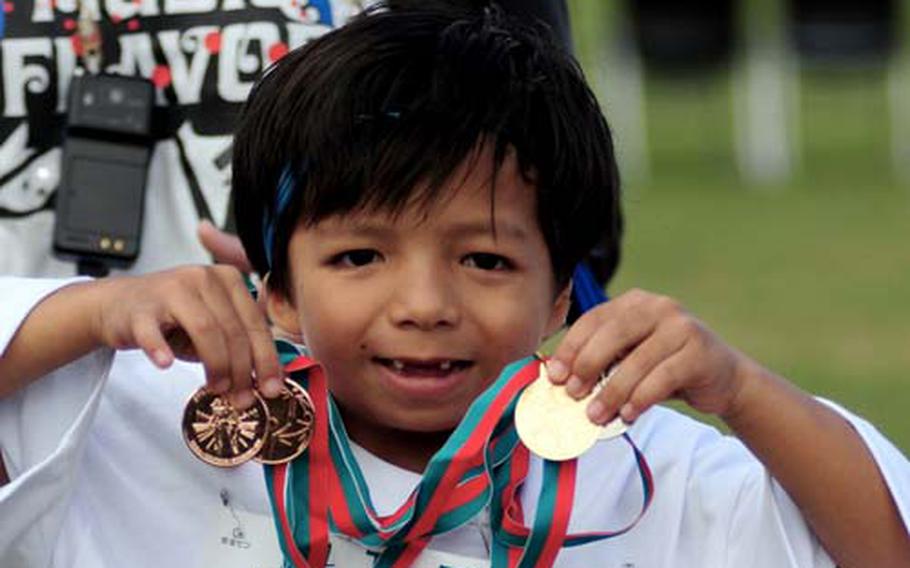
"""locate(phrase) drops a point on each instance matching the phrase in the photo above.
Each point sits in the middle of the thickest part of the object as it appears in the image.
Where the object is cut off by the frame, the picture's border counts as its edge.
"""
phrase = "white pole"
(898, 79)
(765, 114)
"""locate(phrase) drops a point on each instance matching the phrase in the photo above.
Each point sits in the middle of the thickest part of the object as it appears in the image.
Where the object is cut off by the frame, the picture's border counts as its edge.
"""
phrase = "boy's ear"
(560, 311)
(281, 311)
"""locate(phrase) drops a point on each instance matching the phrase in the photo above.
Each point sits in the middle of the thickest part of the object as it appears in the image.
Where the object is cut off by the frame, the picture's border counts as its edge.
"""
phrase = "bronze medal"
(291, 418)
(219, 434)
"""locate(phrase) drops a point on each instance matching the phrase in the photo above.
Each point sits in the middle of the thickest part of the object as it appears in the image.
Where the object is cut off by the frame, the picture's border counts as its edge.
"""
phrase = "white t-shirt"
(101, 478)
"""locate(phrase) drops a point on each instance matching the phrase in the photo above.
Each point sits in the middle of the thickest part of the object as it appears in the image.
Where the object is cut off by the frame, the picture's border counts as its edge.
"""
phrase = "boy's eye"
(487, 261)
(355, 258)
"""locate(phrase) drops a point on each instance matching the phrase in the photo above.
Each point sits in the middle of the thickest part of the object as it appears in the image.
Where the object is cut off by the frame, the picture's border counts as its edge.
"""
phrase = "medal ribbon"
(483, 462)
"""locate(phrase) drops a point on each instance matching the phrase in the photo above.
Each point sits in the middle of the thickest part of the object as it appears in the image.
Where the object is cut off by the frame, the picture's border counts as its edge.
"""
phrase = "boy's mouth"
(429, 368)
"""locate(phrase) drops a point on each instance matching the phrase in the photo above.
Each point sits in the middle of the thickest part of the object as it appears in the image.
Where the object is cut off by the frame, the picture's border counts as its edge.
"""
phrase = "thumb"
(224, 248)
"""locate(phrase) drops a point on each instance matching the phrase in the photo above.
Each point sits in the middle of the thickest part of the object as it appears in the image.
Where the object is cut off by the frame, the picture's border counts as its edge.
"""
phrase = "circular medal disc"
(291, 419)
(617, 426)
(613, 428)
(219, 434)
(552, 424)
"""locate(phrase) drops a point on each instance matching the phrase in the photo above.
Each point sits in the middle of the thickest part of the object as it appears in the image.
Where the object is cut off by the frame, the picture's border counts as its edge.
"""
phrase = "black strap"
(202, 207)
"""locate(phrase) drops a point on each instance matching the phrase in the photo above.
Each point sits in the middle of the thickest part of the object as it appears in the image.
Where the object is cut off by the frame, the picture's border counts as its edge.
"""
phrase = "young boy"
(418, 187)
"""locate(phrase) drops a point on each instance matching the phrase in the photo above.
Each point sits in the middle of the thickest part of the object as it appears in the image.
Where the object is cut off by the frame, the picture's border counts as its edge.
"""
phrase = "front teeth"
(444, 366)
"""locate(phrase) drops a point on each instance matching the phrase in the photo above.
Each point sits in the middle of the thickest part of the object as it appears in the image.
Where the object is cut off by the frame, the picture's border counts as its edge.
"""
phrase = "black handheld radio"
(106, 154)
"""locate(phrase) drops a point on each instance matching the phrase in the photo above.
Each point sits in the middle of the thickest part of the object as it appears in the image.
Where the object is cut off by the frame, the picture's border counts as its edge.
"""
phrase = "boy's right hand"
(199, 313)
(224, 247)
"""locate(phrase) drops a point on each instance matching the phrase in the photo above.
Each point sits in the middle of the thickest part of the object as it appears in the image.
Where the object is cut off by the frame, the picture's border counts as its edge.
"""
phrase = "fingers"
(206, 314)
(602, 349)
(262, 345)
(601, 337)
(149, 338)
(190, 321)
(645, 336)
(202, 313)
(235, 362)
(249, 348)
(206, 323)
(636, 372)
(668, 378)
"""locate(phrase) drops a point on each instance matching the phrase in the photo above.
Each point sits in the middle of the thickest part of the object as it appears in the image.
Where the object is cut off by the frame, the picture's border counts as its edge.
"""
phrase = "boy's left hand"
(661, 352)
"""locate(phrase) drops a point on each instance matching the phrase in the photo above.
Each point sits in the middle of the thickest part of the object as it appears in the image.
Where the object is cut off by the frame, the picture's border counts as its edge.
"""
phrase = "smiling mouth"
(431, 368)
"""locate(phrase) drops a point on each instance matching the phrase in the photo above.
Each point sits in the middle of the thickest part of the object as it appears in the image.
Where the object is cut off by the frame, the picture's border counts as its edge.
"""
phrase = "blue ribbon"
(587, 291)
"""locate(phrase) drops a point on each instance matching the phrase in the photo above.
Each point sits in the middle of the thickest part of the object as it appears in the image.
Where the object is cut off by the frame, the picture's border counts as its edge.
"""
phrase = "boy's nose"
(425, 298)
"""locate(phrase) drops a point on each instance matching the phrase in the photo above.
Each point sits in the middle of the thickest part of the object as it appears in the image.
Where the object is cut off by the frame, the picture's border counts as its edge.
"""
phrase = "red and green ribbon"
(482, 463)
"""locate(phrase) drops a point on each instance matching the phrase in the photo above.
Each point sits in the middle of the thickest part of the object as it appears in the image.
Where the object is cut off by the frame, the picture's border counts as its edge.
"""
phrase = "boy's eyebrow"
(500, 228)
(375, 230)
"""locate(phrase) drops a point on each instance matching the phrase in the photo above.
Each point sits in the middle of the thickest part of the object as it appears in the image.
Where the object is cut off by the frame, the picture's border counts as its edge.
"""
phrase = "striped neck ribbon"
(482, 464)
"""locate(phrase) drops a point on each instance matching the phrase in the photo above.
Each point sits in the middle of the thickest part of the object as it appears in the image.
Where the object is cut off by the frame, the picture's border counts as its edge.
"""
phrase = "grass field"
(815, 286)
(811, 277)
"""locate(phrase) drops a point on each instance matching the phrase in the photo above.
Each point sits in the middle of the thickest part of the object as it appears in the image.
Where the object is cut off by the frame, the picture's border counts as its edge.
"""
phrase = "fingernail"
(595, 411)
(272, 387)
(220, 386)
(243, 399)
(162, 359)
(628, 412)
(575, 387)
(558, 372)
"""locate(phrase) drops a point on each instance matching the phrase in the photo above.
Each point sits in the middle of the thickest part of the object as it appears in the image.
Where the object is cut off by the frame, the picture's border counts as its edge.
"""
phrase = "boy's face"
(413, 316)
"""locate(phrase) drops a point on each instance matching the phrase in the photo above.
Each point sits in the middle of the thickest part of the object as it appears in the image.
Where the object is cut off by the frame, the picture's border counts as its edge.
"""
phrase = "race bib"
(240, 539)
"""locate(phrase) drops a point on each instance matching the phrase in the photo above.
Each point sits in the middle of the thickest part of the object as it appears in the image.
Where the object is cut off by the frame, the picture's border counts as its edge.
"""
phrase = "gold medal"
(613, 428)
(291, 418)
(617, 426)
(551, 423)
(219, 434)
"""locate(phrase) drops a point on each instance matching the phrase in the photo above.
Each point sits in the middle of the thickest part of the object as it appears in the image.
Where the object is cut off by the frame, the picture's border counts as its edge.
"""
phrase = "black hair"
(379, 113)
(551, 14)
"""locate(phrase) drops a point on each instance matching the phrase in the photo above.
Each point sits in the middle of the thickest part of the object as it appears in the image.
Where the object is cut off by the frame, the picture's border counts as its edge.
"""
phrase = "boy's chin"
(402, 421)
(422, 417)
(428, 425)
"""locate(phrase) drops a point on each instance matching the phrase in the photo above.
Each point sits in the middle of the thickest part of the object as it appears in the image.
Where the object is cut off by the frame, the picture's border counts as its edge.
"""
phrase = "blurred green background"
(808, 272)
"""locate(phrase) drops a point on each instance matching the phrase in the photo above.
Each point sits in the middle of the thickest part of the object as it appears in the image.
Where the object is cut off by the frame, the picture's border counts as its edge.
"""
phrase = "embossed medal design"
(551, 423)
(219, 434)
(291, 416)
